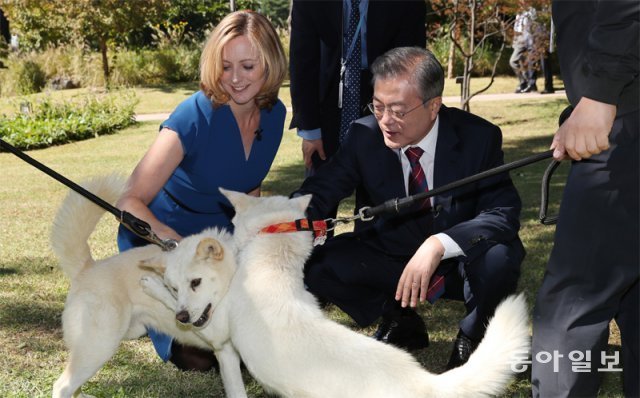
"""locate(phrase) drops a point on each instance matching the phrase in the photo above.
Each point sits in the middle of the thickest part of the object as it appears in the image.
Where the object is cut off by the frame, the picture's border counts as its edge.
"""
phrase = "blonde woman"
(225, 135)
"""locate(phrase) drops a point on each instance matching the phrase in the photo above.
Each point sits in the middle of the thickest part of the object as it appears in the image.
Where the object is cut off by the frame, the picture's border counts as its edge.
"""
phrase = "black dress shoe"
(404, 330)
(463, 347)
(192, 358)
(530, 89)
(547, 91)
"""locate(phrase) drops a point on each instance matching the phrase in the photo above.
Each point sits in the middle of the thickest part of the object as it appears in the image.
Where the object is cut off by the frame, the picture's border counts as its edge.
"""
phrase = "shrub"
(27, 77)
(54, 123)
(132, 68)
(73, 62)
(29, 72)
(178, 64)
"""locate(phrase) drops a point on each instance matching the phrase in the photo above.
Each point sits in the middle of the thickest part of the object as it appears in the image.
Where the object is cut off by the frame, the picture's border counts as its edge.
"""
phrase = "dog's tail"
(505, 347)
(77, 218)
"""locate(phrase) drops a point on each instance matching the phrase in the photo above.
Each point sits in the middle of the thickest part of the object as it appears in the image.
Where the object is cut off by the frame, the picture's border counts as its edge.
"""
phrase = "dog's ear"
(209, 248)
(240, 201)
(302, 202)
(155, 264)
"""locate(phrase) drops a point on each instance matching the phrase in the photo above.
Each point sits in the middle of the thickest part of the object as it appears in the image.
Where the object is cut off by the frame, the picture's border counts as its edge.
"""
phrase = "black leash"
(143, 229)
(544, 195)
(134, 224)
(397, 204)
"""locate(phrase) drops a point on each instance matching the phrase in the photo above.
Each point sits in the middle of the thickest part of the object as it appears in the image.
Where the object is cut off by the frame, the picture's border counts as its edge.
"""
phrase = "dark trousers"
(592, 274)
(362, 280)
(547, 71)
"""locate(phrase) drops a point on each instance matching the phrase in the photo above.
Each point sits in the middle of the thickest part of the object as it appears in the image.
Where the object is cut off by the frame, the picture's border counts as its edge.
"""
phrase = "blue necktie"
(351, 82)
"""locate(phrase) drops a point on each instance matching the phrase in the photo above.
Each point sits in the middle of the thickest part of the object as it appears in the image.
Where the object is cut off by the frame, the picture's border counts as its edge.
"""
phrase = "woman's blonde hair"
(263, 37)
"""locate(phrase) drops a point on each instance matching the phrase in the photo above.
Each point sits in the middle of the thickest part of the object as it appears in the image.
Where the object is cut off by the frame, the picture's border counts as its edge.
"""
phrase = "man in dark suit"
(594, 268)
(469, 235)
(317, 48)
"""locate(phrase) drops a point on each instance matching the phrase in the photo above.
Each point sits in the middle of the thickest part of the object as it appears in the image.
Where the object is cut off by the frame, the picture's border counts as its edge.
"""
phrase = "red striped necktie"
(418, 184)
(417, 177)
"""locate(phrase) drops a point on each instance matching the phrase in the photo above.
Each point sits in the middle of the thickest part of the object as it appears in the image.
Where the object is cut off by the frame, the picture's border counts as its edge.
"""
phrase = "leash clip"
(332, 223)
(143, 230)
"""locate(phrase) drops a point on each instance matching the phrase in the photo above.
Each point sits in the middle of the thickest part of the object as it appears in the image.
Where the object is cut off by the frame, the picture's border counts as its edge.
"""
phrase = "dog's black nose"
(182, 316)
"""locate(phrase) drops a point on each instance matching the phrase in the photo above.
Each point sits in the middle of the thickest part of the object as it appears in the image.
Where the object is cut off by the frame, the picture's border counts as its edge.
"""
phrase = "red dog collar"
(319, 228)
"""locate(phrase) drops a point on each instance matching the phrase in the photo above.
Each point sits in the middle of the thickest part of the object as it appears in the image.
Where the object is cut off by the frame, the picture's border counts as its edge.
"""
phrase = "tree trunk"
(452, 60)
(466, 85)
(105, 60)
(468, 60)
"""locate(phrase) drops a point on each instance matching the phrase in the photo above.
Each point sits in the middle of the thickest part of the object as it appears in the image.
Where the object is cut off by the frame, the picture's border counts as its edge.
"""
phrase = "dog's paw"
(151, 283)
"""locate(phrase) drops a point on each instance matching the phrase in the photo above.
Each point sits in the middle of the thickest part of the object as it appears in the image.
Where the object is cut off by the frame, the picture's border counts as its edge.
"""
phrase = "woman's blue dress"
(214, 157)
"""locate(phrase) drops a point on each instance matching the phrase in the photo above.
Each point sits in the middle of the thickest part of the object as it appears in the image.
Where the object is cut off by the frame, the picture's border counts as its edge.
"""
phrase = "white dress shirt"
(428, 145)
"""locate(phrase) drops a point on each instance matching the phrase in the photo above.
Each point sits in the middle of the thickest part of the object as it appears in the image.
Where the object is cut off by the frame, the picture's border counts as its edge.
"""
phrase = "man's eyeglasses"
(378, 111)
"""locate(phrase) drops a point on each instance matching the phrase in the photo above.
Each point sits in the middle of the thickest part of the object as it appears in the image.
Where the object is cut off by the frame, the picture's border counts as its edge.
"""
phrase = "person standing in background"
(593, 271)
(332, 45)
(522, 61)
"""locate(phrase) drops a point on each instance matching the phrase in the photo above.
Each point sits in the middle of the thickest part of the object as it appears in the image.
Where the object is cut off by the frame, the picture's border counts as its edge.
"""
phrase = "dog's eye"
(195, 283)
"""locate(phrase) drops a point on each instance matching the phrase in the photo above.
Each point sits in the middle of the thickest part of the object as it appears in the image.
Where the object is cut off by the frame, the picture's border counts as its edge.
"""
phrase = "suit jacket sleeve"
(496, 204)
(612, 52)
(334, 181)
(412, 31)
(304, 66)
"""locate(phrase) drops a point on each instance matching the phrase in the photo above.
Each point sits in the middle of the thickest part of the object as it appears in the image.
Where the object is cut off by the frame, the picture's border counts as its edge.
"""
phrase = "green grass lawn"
(33, 290)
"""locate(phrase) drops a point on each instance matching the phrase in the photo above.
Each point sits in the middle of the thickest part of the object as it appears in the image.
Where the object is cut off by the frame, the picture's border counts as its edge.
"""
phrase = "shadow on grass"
(7, 271)
(283, 180)
(30, 314)
(26, 265)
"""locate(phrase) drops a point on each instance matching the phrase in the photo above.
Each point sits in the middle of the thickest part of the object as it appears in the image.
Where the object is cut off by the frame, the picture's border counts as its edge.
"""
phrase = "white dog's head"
(198, 273)
(253, 213)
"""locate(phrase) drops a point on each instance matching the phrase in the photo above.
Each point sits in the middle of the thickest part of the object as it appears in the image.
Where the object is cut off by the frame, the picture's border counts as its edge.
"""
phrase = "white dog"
(292, 349)
(106, 303)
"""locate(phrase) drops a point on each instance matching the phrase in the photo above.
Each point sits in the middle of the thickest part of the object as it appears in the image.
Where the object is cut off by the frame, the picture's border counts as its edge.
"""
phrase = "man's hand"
(418, 271)
(586, 132)
(309, 147)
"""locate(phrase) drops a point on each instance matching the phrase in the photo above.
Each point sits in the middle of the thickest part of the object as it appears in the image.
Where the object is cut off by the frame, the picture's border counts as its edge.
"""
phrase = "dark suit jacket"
(316, 48)
(475, 216)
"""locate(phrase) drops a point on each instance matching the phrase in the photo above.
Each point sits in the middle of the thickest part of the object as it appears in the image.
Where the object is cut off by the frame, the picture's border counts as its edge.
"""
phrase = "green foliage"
(178, 64)
(70, 62)
(52, 123)
(26, 77)
(38, 23)
(73, 62)
(485, 58)
(276, 10)
(201, 15)
(44, 23)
